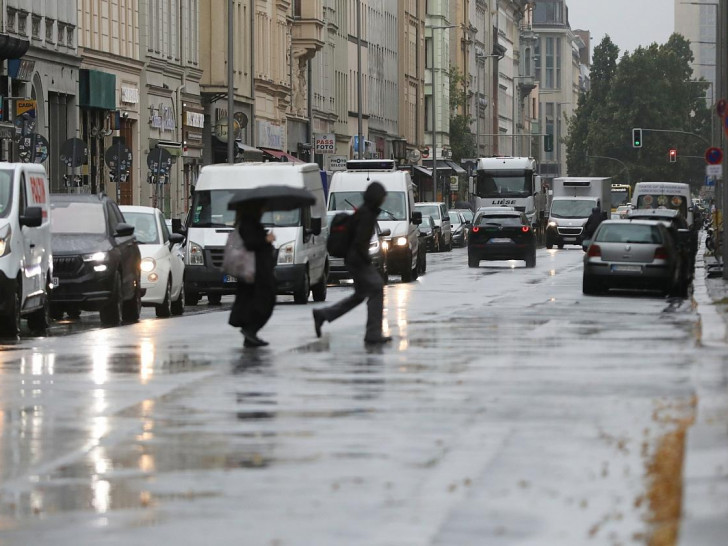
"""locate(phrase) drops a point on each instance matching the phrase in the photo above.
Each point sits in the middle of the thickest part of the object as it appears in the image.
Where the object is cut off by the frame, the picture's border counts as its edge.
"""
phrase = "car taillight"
(595, 251)
(525, 229)
(661, 253)
(476, 229)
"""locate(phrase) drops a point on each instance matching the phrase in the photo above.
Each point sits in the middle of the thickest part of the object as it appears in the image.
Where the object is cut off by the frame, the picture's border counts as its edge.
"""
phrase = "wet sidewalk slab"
(705, 471)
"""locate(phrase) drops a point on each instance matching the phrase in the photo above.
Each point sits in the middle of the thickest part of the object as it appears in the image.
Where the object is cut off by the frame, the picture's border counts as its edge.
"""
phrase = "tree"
(462, 140)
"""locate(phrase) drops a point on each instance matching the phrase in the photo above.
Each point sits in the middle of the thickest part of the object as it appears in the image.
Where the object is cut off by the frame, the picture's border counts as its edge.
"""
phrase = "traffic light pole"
(624, 167)
(679, 132)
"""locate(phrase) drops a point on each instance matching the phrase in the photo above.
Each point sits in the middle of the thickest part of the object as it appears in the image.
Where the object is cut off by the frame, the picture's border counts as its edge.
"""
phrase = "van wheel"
(10, 323)
(192, 298)
(178, 305)
(300, 295)
(473, 262)
(214, 299)
(164, 309)
(110, 314)
(132, 309)
(318, 291)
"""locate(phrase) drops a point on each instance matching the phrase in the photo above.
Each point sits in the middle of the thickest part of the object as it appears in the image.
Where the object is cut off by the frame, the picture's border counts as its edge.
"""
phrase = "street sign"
(73, 152)
(709, 181)
(26, 107)
(720, 107)
(714, 156)
(337, 162)
(221, 129)
(324, 143)
(715, 171)
(159, 161)
(118, 158)
(33, 149)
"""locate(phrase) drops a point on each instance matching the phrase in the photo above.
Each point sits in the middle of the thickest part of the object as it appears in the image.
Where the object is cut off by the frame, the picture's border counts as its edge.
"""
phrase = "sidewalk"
(705, 471)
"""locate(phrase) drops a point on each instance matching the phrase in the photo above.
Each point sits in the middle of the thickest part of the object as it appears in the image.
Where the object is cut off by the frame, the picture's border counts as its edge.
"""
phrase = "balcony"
(308, 28)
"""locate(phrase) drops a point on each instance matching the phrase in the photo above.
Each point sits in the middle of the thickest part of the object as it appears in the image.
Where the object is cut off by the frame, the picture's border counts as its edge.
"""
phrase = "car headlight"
(385, 245)
(287, 253)
(195, 255)
(148, 265)
(401, 241)
(5, 240)
(96, 257)
(553, 224)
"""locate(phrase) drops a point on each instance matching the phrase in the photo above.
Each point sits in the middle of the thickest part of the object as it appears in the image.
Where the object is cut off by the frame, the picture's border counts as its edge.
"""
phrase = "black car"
(96, 260)
(429, 233)
(501, 235)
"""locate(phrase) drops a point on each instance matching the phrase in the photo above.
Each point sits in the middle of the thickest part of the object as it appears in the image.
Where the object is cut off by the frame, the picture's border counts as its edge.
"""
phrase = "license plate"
(627, 268)
(500, 240)
(229, 279)
(54, 280)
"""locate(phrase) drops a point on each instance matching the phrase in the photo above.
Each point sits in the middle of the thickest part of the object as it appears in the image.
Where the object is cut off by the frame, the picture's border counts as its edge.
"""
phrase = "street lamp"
(434, 110)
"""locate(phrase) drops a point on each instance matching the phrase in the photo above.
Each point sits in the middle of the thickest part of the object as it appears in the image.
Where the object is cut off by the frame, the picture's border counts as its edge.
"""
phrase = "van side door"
(31, 265)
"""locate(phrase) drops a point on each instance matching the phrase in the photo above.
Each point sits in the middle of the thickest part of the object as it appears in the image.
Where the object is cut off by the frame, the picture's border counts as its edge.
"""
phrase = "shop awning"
(280, 155)
(12, 47)
(457, 168)
(441, 164)
(423, 170)
(249, 152)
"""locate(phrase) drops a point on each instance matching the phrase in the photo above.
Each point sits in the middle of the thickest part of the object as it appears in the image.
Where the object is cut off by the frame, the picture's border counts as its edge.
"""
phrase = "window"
(49, 28)
(428, 53)
(35, 27)
(10, 22)
(22, 22)
(69, 35)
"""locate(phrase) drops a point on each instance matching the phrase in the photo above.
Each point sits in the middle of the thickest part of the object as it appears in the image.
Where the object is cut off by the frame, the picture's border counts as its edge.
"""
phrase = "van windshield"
(282, 218)
(393, 208)
(6, 193)
(209, 209)
(579, 208)
(663, 201)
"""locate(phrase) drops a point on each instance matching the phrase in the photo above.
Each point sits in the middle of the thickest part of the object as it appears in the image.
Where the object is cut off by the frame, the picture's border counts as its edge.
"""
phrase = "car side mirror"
(177, 226)
(124, 230)
(585, 244)
(315, 226)
(386, 232)
(417, 218)
(176, 238)
(33, 217)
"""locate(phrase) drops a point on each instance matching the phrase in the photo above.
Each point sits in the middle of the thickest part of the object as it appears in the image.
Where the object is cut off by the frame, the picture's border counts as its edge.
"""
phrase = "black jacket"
(363, 225)
(595, 218)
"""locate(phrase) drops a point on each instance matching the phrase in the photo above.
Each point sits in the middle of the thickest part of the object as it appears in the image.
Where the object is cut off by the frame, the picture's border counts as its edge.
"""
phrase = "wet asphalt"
(509, 409)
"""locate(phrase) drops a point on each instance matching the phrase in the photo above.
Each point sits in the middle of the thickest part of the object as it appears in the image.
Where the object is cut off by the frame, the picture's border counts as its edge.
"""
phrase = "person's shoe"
(381, 340)
(251, 340)
(318, 321)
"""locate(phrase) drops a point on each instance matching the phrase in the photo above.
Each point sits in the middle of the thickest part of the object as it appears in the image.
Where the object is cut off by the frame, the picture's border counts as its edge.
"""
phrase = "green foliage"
(649, 88)
(462, 140)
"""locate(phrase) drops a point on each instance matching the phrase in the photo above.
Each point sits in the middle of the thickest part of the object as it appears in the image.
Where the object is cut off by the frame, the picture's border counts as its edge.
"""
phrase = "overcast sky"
(629, 23)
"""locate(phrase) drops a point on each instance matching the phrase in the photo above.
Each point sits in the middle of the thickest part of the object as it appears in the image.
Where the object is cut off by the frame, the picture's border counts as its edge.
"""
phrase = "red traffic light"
(673, 155)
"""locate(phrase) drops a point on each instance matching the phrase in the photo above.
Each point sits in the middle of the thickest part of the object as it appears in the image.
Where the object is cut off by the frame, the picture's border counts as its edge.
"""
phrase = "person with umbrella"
(254, 302)
(368, 283)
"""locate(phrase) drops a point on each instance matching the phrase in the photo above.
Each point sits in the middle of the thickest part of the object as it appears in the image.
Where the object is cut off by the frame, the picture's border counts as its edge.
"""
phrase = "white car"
(162, 265)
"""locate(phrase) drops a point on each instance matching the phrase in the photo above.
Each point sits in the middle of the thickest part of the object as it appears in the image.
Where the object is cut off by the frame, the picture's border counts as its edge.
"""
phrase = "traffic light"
(673, 155)
(548, 143)
(636, 138)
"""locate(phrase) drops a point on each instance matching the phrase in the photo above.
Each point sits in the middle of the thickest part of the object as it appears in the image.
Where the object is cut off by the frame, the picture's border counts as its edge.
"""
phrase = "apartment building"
(411, 115)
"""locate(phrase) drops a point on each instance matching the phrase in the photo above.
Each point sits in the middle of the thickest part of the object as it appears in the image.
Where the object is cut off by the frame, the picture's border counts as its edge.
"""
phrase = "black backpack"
(340, 234)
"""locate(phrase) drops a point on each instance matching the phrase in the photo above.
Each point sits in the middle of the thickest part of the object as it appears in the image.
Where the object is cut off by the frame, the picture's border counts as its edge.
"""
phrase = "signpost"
(118, 158)
(713, 156)
(159, 162)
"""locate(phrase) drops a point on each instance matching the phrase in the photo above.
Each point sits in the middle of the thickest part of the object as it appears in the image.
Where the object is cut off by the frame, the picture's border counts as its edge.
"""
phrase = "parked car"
(429, 233)
(621, 212)
(162, 265)
(501, 235)
(438, 211)
(459, 224)
(467, 213)
(96, 260)
(378, 248)
(637, 254)
(25, 248)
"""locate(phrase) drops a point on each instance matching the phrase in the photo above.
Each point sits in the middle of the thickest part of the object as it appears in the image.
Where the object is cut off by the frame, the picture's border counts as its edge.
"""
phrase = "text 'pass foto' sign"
(324, 143)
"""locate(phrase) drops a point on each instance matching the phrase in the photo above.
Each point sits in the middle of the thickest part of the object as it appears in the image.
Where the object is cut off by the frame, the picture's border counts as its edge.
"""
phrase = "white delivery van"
(26, 260)
(301, 234)
(665, 195)
(398, 215)
(572, 201)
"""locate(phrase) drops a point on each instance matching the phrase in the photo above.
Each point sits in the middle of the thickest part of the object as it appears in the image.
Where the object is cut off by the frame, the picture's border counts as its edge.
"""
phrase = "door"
(32, 277)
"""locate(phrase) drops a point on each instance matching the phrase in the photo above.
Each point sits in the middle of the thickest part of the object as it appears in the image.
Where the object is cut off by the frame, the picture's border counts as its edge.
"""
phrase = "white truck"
(511, 182)
(571, 204)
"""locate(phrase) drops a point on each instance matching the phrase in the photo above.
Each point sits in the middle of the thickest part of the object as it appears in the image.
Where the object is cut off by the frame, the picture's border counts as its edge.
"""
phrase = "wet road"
(510, 410)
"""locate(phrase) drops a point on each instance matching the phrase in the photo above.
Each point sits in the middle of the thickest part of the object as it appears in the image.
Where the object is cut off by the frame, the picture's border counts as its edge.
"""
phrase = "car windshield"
(628, 233)
(393, 208)
(498, 220)
(454, 218)
(429, 210)
(145, 227)
(468, 215)
(280, 218)
(619, 197)
(209, 209)
(78, 218)
(580, 208)
(6, 192)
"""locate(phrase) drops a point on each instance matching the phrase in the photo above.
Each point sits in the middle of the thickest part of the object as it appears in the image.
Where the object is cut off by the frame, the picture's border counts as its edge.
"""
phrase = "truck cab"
(571, 204)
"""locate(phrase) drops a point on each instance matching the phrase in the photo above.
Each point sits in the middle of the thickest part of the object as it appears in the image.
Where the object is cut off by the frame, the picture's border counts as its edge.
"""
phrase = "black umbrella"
(273, 198)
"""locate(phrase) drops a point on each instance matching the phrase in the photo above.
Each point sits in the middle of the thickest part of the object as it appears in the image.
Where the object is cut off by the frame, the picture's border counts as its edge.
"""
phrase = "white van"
(26, 260)
(666, 195)
(301, 234)
(398, 215)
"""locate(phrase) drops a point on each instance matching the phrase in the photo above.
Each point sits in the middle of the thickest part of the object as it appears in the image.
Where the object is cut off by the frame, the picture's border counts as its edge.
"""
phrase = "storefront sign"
(25, 107)
(337, 162)
(162, 117)
(129, 95)
(324, 143)
(195, 119)
(270, 136)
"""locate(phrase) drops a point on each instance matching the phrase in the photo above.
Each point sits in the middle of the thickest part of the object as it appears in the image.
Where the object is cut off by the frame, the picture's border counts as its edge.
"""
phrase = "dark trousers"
(368, 284)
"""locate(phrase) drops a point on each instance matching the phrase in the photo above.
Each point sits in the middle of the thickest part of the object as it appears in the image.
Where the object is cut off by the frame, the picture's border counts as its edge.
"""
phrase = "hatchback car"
(96, 260)
(501, 235)
(635, 254)
(162, 265)
(378, 248)
(459, 224)
(438, 211)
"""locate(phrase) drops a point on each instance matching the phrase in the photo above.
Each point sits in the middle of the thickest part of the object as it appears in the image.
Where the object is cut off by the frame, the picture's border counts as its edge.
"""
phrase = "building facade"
(411, 33)
(697, 23)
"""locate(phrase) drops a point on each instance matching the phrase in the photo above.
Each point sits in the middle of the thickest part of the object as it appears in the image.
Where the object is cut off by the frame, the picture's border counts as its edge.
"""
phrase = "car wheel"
(192, 298)
(214, 299)
(422, 260)
(473, 262)
(300, 295)
(164, 309)
(449, 245)
(531, 259)
(10, 322)
(406, 275)
(40, 320)
(73, 312)
(131, 309)
(589, 286)
(178, 305)
(56, 312)
(561, 246)
(549, 246)
(318, 291)
(110, 314)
